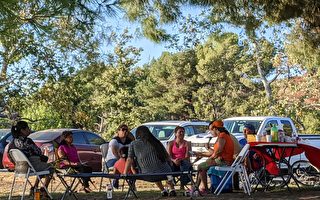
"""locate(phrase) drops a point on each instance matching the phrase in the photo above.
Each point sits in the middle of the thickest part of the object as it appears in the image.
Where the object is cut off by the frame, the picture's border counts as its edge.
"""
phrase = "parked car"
(164, 130)
(5, 134)
(87, 144)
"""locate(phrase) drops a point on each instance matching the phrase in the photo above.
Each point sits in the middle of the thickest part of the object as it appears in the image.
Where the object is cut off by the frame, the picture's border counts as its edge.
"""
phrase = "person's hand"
(207, 146)
(176, 161)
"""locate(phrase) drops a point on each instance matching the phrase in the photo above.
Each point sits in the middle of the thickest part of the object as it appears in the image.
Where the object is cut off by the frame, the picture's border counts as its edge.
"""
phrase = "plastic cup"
(258, 138)
(269, 138)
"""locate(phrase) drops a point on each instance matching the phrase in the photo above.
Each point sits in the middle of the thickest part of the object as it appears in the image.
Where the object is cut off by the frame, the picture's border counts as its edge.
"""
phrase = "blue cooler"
(216, 177)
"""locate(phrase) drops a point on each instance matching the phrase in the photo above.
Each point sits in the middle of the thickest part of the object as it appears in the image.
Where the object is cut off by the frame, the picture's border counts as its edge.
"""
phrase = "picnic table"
(129, 178)
(276, 162)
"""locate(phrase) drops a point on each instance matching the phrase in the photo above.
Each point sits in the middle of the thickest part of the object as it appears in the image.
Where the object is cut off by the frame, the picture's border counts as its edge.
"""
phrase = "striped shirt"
(146, 158)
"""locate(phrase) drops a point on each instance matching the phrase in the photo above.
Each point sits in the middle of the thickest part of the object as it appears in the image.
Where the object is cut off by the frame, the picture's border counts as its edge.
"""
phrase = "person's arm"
(114, 148)
(62, 156)
(217, 151)
(188, 147)
(169, 148)
(129, 163)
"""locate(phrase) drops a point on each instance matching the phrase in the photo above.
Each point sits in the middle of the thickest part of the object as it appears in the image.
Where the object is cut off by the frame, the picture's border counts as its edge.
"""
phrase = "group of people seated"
(147, 155)
(144, 154)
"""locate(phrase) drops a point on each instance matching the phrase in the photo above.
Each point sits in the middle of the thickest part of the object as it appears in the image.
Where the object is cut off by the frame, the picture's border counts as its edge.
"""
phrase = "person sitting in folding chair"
(20, 133)
(178, 150)
(221, 154)
(69, 158)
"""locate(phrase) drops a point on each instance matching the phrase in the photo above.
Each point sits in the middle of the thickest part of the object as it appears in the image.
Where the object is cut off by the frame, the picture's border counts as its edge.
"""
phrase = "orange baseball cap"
(217, 124)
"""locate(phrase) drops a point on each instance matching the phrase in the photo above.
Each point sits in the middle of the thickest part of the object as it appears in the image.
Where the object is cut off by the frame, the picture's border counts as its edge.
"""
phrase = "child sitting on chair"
(119, 166)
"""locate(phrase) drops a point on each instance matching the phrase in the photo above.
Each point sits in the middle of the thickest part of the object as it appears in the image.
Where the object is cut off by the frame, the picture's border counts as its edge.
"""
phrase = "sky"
(151, 50)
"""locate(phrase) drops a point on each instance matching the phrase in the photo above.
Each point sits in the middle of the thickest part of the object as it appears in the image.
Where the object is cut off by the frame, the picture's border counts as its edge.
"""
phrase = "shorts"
(211, 162)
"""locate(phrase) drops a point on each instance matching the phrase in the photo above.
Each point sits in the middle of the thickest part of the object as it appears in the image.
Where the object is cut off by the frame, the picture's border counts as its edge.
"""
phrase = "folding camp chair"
(19, 157)
(104, 168)
(237, 166)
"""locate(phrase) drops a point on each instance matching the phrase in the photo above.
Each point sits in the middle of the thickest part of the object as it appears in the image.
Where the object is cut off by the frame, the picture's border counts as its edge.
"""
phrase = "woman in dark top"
(20, 133)
(150, 157)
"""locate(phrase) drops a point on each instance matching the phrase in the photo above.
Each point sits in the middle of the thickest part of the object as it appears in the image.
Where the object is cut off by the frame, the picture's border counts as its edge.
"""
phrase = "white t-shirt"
(113, 144)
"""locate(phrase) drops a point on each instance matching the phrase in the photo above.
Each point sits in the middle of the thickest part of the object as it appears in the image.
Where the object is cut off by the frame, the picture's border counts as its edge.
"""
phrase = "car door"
(94, 145)
(83, 148)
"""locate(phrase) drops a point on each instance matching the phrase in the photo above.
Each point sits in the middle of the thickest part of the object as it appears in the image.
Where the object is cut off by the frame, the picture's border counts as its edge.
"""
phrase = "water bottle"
(36, 194)
(281, 134)
(274, 133)
(109, 191)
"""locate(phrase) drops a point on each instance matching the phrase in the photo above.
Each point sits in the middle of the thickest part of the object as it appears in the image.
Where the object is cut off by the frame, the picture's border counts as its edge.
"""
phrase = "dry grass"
(149, 191)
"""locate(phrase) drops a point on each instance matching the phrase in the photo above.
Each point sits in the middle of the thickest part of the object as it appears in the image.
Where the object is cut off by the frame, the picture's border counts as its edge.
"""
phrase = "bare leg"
(160, 185)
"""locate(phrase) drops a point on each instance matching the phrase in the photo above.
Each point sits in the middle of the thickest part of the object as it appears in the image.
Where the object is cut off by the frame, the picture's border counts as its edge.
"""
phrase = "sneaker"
(203, 192)
(164, 193)
(172, 193)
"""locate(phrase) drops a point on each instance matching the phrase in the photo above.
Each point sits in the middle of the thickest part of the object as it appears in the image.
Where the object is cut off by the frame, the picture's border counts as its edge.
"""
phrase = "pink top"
(178, 152)
(70, 152)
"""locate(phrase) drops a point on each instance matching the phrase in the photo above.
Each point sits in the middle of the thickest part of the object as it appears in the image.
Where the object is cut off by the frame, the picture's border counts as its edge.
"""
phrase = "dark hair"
(223, 129)
(251, 128)
(123, 151)
(64, 135)
(176, 130)
(123, 126)
(146, 136)
(16, 130)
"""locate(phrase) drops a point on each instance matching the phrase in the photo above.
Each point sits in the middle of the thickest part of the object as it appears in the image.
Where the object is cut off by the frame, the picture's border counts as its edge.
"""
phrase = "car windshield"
(162, 132)
(41, 135)
(236, 126)
(4, 132)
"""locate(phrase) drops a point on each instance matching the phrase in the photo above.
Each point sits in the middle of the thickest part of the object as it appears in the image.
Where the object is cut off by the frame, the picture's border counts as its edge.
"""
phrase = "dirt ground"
(149, 191)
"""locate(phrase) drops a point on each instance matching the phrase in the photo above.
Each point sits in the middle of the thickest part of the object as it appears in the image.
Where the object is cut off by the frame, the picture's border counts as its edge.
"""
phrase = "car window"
(94, 139)
(161, 132)
(200, 129)
(287, 128)
(270, 124)
(188, 131)
(78, 138)
(236, 126)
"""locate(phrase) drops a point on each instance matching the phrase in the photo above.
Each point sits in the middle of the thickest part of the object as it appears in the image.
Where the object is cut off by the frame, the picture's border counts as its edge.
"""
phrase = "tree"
(113, 96)
(225, 74)
(167, 92)
(40, 39)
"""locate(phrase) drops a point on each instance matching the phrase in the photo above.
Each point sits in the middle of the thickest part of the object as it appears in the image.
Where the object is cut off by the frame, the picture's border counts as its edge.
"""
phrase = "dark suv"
(87, 144)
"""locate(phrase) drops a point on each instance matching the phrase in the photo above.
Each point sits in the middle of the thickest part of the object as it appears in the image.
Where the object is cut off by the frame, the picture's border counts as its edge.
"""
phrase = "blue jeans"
(111, 162)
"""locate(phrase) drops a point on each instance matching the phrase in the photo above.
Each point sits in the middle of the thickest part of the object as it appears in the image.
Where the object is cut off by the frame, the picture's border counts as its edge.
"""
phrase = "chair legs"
(44, 186)
(14, 180)
(243, 178)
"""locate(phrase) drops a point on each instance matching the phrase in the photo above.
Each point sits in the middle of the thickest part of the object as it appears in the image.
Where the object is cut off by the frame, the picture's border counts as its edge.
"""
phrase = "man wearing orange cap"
(221, 154)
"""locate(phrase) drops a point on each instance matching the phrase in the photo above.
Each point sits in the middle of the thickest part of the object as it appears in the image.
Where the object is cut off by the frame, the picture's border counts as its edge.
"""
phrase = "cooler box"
(216, 177)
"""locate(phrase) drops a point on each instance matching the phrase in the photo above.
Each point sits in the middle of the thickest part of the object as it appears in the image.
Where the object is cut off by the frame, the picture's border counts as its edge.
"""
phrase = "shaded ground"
(148, 191)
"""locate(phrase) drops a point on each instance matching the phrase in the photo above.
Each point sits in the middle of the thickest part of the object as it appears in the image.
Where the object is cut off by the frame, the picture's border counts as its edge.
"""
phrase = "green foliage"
(167, 91)
(42, 116)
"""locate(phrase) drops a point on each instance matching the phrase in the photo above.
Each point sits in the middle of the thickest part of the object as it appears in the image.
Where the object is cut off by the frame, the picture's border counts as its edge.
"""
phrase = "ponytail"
(16, 129)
